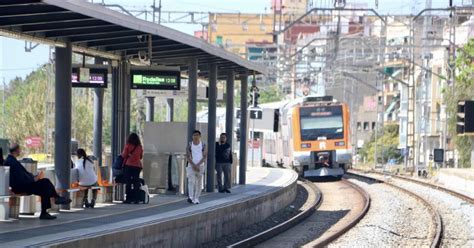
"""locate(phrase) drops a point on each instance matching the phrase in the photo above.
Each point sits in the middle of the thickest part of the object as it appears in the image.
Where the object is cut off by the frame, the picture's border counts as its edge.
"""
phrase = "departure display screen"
(97, 78)
(157, 80)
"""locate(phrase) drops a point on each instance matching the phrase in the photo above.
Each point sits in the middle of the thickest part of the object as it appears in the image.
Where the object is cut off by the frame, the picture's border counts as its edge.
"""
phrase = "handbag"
(120, 162)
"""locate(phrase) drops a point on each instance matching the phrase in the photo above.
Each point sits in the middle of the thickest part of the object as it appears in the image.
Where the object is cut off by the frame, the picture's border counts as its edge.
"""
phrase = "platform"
(168, 221)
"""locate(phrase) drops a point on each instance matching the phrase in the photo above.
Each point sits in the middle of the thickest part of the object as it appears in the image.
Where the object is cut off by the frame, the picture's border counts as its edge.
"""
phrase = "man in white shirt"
(196, 154)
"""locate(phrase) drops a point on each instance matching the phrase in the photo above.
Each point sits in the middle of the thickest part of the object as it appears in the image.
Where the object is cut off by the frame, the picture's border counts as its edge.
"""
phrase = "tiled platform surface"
(168, 221)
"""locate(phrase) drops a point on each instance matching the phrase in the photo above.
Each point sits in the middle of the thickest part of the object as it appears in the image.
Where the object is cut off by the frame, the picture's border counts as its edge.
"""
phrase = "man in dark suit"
(23, 182)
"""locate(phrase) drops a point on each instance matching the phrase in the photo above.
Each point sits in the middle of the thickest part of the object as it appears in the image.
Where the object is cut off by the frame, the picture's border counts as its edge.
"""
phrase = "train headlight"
(340, 143)
(306, 145)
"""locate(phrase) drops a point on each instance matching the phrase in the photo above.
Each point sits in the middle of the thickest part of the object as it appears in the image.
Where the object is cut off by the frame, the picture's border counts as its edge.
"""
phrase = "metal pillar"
(98, 116)
(63, 104)
(114, 112)
(229, 111)
(211, 128)
(243, 127)
(192, 96)
(150, 109)
(120, 108)
(127, 103)
(170, 109)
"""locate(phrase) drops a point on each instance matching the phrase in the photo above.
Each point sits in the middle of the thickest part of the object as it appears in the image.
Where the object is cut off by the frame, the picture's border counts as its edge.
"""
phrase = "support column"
(211, 128)
(114, 118)
(150, 109)
(98, 127)
(63, 104)
(229, 108)
(127, 103)
(243, 128)
(120, 108)
(192, 96)
(170, 110)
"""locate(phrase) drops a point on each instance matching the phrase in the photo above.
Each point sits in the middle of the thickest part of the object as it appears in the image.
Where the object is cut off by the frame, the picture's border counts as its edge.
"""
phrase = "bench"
(77, 194)
(10, 206)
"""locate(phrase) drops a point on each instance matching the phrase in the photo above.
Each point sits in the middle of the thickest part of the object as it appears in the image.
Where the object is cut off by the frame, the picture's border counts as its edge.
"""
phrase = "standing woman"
(132, 155)
(87, 176)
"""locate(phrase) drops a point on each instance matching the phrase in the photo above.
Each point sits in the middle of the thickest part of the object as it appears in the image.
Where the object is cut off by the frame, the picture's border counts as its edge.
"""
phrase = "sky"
(14, 61)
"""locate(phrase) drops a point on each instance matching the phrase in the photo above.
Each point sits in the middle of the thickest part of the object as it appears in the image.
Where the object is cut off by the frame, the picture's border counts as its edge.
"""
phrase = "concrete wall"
(191, 230)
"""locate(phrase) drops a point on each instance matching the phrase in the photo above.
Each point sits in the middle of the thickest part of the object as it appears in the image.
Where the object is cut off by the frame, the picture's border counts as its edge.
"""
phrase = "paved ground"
(107, 218)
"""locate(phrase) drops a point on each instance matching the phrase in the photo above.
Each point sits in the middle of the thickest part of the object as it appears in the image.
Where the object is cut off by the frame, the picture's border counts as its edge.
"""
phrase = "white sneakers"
(195, 201)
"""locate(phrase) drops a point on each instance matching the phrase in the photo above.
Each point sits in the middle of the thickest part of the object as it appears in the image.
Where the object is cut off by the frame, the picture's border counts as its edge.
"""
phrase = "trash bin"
(119, 192)
(28, 203)
(182, 179)
(5, 180)
(4, 192)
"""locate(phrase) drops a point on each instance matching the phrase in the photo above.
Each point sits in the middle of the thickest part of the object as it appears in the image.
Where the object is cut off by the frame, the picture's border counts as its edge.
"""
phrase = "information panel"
(97, 78)
(155, 79)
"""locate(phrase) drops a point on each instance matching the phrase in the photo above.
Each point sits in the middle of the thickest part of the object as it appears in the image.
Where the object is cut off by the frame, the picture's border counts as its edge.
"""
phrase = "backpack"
(119, 161)
(191, 144)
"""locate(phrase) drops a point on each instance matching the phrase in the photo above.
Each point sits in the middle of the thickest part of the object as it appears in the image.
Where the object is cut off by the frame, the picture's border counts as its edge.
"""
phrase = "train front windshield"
(321, 123)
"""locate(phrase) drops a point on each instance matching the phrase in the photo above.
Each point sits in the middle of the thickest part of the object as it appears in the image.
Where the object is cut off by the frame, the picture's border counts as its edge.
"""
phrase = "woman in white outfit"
(196, 154)
(87, 176)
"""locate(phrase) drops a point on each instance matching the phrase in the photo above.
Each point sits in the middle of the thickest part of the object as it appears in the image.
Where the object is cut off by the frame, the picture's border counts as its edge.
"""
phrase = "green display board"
(152, 79)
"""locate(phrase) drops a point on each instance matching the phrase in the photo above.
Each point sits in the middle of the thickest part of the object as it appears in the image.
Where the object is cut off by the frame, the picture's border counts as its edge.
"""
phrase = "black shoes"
(221, 191)
(47, 216)
(86, 204)
(190, 201)
(227, 191)
(62, 201)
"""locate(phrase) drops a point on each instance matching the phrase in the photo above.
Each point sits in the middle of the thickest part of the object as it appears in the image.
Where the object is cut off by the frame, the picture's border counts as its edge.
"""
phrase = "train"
(309, 135)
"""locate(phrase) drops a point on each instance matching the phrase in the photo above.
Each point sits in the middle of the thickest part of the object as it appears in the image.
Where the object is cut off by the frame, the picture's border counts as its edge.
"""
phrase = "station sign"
(33, 142)
(155, 79)
(89, 77)
(256, 114)
(168, 94)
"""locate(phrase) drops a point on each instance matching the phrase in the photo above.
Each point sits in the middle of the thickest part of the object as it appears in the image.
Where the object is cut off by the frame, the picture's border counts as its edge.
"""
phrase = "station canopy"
(97, 31)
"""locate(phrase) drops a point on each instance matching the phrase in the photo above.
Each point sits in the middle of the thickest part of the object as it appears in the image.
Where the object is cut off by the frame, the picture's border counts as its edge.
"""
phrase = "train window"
(366, 126)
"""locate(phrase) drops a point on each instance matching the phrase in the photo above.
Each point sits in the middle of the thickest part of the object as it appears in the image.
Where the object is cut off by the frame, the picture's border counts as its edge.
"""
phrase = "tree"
(25, 107)
(463, 89)
(270, 94)
(388, 141)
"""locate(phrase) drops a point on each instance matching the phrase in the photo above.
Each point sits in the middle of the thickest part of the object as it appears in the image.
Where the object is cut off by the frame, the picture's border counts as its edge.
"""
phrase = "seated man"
(21, 181)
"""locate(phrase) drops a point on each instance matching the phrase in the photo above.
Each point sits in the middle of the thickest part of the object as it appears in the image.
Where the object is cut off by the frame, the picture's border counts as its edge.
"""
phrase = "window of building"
(219, 40)
(374, 125)
(366, 126)
(359, 126)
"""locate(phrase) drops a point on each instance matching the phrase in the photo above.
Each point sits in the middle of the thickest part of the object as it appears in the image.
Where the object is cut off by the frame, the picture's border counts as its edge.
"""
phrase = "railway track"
(456, 210)
(313, 202)
(395, 219)
(343, 205)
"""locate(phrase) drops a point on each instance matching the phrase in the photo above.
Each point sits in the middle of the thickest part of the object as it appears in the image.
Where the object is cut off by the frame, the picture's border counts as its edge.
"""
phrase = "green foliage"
(25, 102)
(387, 146)
(463, 90)
(82, 117)
(270, 94)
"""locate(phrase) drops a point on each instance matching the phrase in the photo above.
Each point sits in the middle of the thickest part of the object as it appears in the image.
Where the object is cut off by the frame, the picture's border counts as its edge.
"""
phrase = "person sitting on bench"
(87, 177)
(23, 182)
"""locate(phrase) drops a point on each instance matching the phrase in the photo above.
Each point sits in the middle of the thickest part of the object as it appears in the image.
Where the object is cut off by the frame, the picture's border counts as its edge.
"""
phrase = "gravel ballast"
(394, 219)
